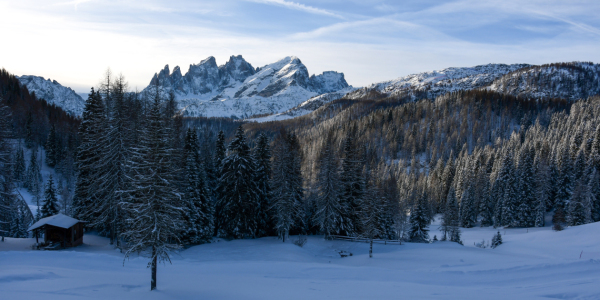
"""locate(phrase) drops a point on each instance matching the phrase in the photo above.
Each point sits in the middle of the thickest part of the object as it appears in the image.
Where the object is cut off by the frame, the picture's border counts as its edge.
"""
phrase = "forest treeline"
(138, 172)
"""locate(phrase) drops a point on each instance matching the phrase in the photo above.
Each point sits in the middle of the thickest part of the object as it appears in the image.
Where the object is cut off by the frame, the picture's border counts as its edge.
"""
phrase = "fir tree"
(287, 193)
(29, 143)
(238, 191)
(330, 211)
(88, 156)
(370, 216)
(351, 180)
(262, 157)
(153, 213)
(496, 240)
(419, 221)
(52, 148)
(33, 175)
(450, 217)
(50, 207)
(197, 207)
(527, 198)
(19, 169)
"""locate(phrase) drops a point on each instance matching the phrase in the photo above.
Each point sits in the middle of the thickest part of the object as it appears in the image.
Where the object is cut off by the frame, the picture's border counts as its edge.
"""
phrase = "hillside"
(54, 93)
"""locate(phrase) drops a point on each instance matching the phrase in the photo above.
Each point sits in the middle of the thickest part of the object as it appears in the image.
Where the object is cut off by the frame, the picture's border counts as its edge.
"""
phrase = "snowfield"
(535, 263)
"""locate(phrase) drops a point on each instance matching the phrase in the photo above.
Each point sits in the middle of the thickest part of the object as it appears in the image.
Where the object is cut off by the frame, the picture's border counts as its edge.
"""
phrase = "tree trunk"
(371, 249)
(153, 266)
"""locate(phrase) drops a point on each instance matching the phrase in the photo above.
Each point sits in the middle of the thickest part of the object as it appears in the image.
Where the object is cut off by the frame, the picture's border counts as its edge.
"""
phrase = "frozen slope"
(531, 264)
(54, 93)
(435, 83)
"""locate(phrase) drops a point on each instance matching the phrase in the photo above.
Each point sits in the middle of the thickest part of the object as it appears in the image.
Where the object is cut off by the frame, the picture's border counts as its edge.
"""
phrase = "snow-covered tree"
(352, 182)
(153, 213)
(88, 156)
(262, 158)
(33, 175)
(238, 190)
(50, 207)
(330, 213)
(19, 168)
(450, 217)
(419, 221)
(52, 148)
(197, 208)
(287, 191)
(496, 240)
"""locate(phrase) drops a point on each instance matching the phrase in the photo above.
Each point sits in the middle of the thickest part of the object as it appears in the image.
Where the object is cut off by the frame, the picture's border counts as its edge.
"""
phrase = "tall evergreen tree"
(33, 176)
(19, 168)
(238, 191)
(197, 207)
(330, 213)
(351, 180)
(450, 217)
(287, 191)
(262, 157)
(88, 156)
(527, 197)
(50, 207)
(52, 148)
(153, 213)
(419, 221)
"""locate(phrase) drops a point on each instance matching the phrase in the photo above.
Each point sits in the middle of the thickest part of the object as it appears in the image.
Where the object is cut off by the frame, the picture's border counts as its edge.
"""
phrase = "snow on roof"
(58, 220)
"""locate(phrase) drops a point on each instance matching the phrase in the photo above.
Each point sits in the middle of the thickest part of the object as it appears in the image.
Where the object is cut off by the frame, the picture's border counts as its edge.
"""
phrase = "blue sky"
(369, 40)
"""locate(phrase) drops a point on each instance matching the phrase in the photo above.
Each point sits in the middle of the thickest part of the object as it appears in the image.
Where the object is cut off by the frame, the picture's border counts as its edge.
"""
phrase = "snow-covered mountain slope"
(54, 93)
(569, 81)
(435, 83)
(307, 106)
(237, 90)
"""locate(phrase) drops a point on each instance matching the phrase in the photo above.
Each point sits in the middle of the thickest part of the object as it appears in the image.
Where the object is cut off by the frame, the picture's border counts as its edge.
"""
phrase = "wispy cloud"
(75, 3)
(300, 7)
(578, 25)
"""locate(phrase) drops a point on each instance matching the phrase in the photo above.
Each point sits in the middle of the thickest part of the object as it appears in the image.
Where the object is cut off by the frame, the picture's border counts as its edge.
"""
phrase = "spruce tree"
(370, 215)
(50, 207)
(419, 221)
(262, 157)
(33, 175)
(19, 169)
(352, 183)
(91, 131)
(330, 211)
(238, 191)
(52, 148)
(450, 217)
(153, 211)
(287, 190)
(496, 240)
(197, 207)
(527, 197)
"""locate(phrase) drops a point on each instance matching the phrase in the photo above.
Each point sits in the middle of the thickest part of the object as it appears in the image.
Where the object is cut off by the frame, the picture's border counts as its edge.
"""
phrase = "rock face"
(236, 89)
(54, 93)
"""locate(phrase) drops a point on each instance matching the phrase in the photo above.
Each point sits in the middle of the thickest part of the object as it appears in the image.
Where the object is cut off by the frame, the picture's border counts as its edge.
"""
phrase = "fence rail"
(365, 240)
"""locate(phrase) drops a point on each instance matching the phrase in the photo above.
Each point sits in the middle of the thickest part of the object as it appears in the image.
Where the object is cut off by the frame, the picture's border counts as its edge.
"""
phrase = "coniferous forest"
(138, 172)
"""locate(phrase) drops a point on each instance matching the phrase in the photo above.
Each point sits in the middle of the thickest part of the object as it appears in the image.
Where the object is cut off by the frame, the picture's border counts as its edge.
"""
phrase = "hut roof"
(58, 220)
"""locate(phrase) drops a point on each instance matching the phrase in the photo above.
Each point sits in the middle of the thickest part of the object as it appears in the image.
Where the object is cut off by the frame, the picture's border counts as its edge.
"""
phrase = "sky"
(75, 41)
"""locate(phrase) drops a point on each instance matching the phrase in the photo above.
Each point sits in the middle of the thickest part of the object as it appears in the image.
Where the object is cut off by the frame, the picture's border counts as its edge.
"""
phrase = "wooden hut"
(60, 229)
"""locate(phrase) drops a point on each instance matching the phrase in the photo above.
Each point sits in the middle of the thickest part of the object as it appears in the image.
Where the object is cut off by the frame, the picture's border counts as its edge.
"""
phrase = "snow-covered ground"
(531, 264)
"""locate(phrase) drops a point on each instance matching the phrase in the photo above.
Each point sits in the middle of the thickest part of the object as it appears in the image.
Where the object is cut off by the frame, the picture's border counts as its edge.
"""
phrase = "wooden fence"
(364, 240)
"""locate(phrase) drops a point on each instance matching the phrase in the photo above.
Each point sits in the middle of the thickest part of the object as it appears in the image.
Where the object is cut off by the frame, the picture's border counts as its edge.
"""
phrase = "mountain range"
(284, 89)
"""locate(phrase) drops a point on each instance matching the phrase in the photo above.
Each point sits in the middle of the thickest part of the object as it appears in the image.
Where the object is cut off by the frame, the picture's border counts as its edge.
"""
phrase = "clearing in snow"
(534, 263)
